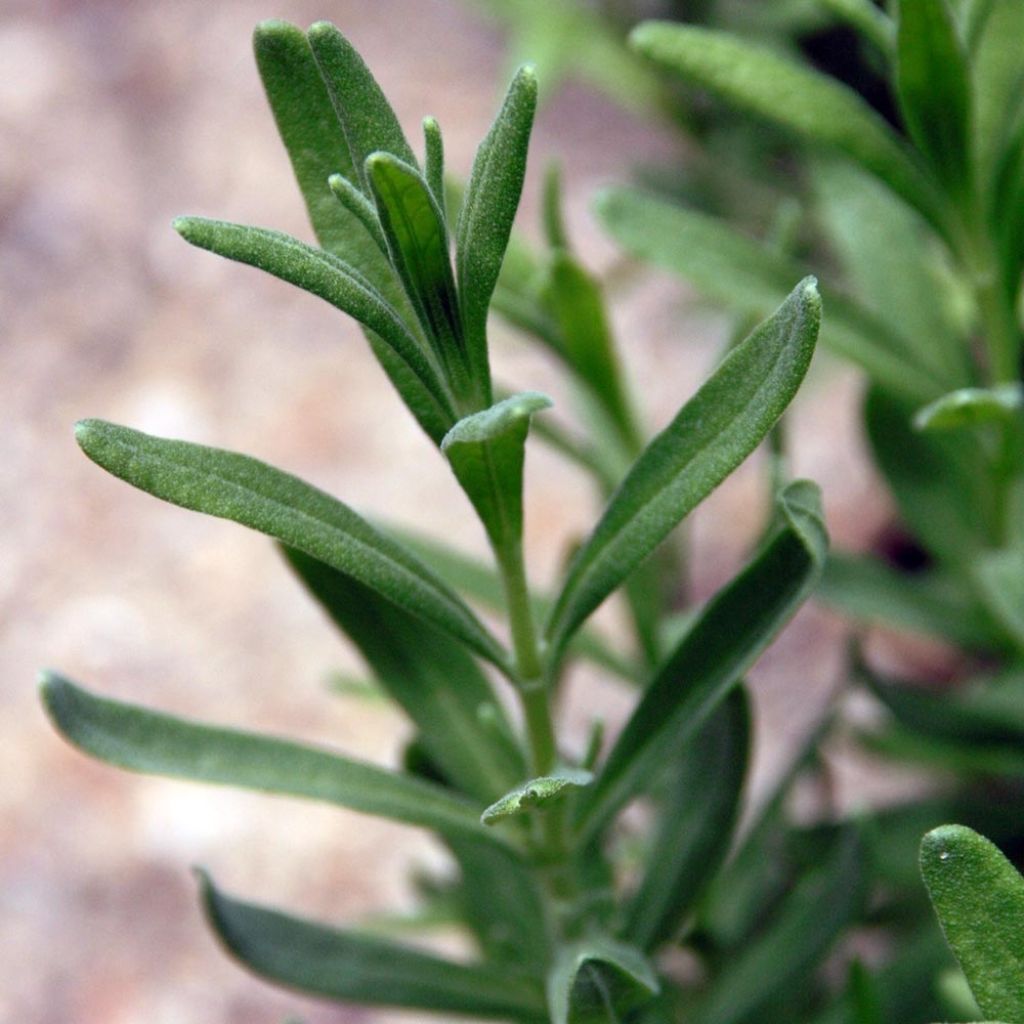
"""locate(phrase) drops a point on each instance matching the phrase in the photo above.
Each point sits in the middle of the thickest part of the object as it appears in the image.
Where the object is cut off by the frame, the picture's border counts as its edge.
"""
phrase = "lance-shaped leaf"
(316, 146)
(730, 633)
(369, 123)
(461, 723)
(351, 967)
(695, 825)
(969, 407)
(153, 743)
(326, 276)
(752, 278)
(598, 981)
(486, 451)
(819, 909)
(933, 87)
(247, 491)
(535, 794)
(710, 436)
(488, 209)
(816, 108)
(433, 164)
(418, 242)
(979, 899)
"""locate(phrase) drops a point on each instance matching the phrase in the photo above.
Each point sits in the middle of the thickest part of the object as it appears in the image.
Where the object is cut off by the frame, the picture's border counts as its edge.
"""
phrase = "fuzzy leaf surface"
(247, 491)
(710, 436)
(728, 636)
(351, 967)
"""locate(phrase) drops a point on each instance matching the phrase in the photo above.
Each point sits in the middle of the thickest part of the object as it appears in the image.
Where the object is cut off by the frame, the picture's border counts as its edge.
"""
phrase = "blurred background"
(114, 118)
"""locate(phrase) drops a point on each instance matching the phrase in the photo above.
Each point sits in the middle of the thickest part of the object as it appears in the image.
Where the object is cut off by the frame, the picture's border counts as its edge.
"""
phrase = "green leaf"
(141, 740)
(979, 899)
(355, 202)
(870, 21)
(347, 966)
(791, 945)
(369, 123)
(247, 491)
(816, 108)
(865, 589)
(535, 794)
(710, 436)
(488, 209)
(598, 981)
(486, 451)
(933, 88)
(417, 240)
(696, 823)
(433, 163)
(728, 636)
(328, 277)
(461, 723)
(1000, 578)
(753, 278)
(968, 407)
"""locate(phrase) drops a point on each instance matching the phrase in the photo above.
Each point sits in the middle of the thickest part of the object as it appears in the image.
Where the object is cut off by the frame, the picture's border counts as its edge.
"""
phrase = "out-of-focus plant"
(569, 907)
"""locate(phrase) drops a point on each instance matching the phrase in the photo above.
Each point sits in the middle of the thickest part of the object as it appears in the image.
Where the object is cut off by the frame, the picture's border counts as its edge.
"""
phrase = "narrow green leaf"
(753, 278)
(489, 207)
(141, 740)
(369, 123)
(356, 203)
(461, 723)
(486, 451)
(979, 899)
(870, 21)
(247, 491)
(598, 981)
(792, 944)
(968, 407)
(553, 218)
(711, 435)
(535, 794)
(730, 633)
(326, 276)
(433, 163)
(696, 825)
(1000, 578)
(347, 966)
(816, 108)
(933, 87)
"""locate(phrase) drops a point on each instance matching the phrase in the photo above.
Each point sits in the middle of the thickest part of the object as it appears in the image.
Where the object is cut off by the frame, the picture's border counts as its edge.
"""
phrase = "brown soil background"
(114, 118)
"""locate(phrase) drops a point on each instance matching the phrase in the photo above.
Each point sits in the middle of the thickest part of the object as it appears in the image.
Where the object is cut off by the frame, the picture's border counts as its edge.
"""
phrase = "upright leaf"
(695, 825)
(147, 741)
(1000, 578)
(344, 965)
(369, 123)
(711, 435)
(979, 899)
(816, 108)
(488, 209)
(730, 633)
(933, 86)
(247, 491)
(461, 723)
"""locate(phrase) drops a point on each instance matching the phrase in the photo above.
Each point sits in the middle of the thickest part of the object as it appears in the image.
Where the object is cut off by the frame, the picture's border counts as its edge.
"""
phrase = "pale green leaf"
(1000, 578)
(247, 491)
(535, 794)
(968, 407)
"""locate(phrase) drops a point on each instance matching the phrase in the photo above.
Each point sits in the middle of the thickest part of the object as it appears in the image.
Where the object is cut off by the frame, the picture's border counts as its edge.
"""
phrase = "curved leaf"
(247, 491)
(730, 633)
(535, 794)
(153, 743)
(968, 407)
(351, 967)
(710, 436)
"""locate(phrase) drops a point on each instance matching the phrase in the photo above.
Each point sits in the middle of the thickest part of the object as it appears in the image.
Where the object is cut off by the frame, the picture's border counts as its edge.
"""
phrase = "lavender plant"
(568, 923)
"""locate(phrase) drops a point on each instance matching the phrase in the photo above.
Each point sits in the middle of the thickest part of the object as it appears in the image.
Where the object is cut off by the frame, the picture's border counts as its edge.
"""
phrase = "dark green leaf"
(933, 87)
(728, 636)
(461, 723)
(147, 741)
(247, 491)
(710, 436)
(753, 278)
(326, 276)
(489, 207)
(598, 981)
(979, 899)
(968, 407)
(486, 451)
(818, 109)
(535, 794)
(351, 967)
(696, 824)
(369, 123)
